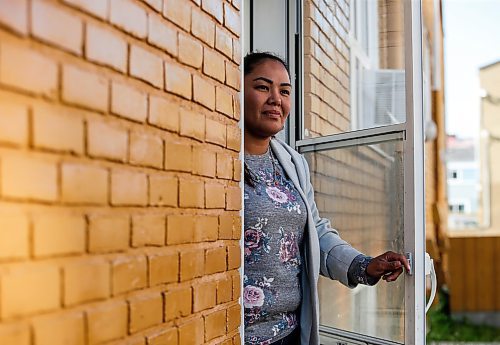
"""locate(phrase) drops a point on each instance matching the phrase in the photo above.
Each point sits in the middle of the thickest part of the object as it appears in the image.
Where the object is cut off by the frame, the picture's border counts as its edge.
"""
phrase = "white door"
(368, 169)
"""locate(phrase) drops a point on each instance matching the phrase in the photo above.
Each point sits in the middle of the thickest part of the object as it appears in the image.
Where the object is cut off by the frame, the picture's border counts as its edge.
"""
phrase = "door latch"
(409, 258)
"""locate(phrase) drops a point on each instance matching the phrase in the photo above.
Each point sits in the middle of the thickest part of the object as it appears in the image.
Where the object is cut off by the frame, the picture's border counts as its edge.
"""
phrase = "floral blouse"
(275, 218)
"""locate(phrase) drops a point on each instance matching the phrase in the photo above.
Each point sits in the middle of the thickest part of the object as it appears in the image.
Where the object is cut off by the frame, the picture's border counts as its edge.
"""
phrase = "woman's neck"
(256, 146)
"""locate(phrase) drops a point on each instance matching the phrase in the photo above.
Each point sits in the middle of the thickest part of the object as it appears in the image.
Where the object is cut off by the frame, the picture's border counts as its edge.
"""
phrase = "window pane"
(360, 189)
(354, 71)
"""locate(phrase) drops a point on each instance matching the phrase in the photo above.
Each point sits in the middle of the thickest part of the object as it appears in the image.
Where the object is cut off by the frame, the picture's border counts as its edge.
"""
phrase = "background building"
(463, 183)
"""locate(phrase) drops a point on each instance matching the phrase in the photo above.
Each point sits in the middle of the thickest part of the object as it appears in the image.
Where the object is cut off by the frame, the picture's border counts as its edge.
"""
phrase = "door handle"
(429, 270)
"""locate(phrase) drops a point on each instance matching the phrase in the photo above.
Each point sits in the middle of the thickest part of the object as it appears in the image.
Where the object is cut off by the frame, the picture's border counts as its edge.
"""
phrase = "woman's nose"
(274, 97)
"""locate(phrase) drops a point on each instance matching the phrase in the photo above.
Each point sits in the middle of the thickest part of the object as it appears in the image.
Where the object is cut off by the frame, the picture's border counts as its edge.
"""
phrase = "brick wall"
(119, 172)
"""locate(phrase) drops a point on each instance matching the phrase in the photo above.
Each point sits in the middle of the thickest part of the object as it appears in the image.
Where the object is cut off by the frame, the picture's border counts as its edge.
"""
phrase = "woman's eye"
(285, 92)
(262, 87)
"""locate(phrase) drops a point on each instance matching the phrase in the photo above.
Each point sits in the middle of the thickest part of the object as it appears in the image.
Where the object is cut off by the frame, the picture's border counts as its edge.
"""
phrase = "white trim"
(414, 176)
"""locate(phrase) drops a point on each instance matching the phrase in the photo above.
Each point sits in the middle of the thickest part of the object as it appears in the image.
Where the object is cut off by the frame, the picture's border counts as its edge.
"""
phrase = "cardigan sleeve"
(336, 255)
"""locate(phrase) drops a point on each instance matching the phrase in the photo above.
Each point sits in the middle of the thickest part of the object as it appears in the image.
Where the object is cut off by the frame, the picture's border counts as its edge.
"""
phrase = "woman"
(287, 244)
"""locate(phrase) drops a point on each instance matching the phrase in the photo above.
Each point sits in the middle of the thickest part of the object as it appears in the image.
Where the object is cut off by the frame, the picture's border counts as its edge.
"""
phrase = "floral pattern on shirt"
(256, 292)
(289, 249)
(256, 241)
(280, 190)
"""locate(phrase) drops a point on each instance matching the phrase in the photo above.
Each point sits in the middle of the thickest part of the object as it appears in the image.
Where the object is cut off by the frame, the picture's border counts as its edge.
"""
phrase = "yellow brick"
(233, 257)
(236, 286)
(106, 47)
(192, 263)
(191, 193)
(148, 229)
(29, 289)
(203, 162)
(162, 35)
(237, 229)
(206, 228)
(223, 42)
(224, 166)
(233, 318)
(233, 198)
(164, 113)
(224, 290)
(215, 325)
(55, 26)
(215, 196)
(105, 140)
(146, 310)
(28, 177)
(60, 329)
(192, 124)
(156, 4)
(237, 52)
(13, 123)
(213, 7)
(233, 76)
(233, 138)
(237, 170)
(146, 149)
(28, 70)
(86, 280)
(178, 156)
(128, 102)
(215, 132)
(129, 273)
(179, 12)
(215, 260)
(232, 19)
(236, 340)
(108, 233)
(226, 227)
(129, 16)
(190, 51)
(203, 27)
(213, 65)
(14, 235)
(163, 268)
(191, 332)
(85, 184)
(58, 130)
(107, 322)
(177, 303)
(236, 107)
(84, 88)
(146, 66)
(58, 234)
(204, 296)
(129, 188)
(223, 101)
(163, 190)
(180, 229)
(98, 8)
(164, 337)
(16, 333)
(178, 80)
(14, 15)
(203, 92)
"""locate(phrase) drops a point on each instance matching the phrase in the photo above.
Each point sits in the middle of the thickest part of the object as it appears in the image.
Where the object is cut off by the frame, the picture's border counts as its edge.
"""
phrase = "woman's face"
(267, 99)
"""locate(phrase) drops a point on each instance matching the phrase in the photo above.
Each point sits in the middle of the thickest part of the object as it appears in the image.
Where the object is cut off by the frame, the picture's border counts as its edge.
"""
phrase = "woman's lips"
(272, 114)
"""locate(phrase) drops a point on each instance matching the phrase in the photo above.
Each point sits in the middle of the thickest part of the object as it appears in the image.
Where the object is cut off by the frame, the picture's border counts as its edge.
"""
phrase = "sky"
(471, 40)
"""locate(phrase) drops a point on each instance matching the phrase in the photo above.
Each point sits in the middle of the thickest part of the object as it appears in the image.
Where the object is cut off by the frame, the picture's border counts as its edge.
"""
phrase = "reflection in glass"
(355, 72)
(360, 189)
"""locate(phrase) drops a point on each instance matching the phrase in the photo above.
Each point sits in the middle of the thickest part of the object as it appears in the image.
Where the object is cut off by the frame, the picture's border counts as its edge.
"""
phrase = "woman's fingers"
(393, 276)
(389, 266)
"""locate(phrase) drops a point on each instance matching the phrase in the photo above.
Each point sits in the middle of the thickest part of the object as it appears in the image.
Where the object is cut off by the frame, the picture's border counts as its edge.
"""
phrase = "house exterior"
(120, 169)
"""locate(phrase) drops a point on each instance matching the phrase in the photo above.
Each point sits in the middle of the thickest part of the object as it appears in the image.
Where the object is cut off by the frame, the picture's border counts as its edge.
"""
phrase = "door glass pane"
(354, 67)
(360, 189)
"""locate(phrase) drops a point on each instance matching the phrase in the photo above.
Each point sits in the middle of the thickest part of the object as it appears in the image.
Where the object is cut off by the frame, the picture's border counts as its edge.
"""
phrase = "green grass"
(444, 328)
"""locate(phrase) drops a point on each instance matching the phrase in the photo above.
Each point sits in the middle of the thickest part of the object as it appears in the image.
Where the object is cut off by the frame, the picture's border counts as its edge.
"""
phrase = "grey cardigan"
(324, 251)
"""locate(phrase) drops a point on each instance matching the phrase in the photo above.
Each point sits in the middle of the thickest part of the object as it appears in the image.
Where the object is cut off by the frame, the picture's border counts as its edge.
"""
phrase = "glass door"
(367, 167)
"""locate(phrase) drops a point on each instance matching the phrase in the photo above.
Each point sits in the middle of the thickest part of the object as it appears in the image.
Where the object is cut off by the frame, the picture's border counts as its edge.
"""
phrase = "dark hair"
(256, 58)
(249, 63)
